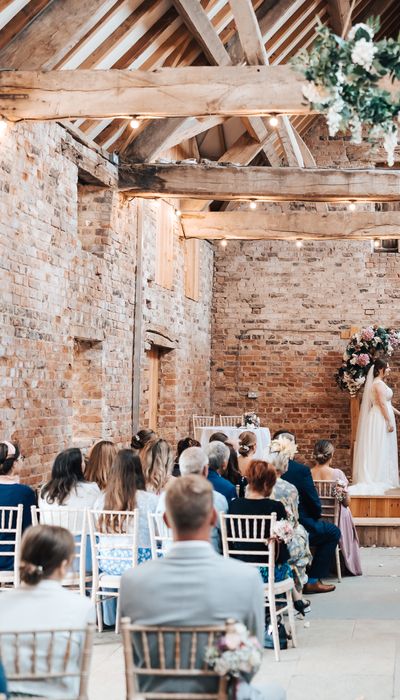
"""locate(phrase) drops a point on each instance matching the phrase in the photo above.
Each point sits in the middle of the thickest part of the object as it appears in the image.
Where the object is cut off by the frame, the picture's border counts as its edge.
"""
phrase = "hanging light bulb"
(224, 243)
(299, 243)
(178, 213)
(134, 123)
(274, 121)
(376, 242)
(352, 206)
(3, 126)
(253, 205)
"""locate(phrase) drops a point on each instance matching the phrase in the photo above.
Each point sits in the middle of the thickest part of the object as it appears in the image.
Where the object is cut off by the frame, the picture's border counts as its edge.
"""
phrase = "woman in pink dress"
(323, 471)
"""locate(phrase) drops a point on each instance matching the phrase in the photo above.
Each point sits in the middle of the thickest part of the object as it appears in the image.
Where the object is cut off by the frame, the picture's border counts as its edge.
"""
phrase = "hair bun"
(244, 448)
(31, 573)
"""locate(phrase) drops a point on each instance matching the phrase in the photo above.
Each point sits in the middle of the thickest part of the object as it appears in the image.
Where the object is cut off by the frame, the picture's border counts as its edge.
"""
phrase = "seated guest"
(157, 462)
(41, 603)
(195, 461)
(231, 471)
(279, 452)
(189, 587)
(99, 463)
(323, 536)
(12, 494)
(68, 487)
(126, 490)
(183, 444)
(142, 438)
(3, 682)
(247, 449)
(323, 471)
(218, 457)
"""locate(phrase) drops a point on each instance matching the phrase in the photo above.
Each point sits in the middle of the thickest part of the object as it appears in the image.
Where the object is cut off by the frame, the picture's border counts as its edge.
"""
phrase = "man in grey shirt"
(193, 585)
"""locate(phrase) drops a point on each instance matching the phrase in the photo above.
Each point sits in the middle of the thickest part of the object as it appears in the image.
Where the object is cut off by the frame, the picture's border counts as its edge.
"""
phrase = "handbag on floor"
(283, 635)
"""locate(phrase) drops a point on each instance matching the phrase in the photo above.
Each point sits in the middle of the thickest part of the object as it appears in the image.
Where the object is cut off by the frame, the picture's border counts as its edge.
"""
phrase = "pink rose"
(367, 333)
(363, 360)
(232, 641)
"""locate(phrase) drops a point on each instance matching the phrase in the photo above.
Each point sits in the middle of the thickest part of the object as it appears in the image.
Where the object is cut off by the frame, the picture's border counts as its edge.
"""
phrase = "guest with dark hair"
(41, 603)
(67, 487)
(142, 438)
(12, 494)
(323, 536)
(247, 449)
(99, 462)
(183, 445)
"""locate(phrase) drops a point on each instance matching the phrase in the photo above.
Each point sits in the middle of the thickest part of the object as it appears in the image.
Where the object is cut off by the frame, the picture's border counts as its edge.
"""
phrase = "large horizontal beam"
(263, 225)
(276, 184)
(164, 92)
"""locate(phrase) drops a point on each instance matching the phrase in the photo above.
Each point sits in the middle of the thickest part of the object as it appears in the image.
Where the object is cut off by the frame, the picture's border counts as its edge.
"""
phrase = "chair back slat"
(48, 655)
(173, 653)
(330, 506)
(10, 541)
(201, 422)
(231, 421)
(240, 534)
(160, 535)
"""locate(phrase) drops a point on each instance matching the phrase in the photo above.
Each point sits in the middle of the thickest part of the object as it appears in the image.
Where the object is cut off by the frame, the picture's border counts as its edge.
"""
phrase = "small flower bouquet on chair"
(235, 654)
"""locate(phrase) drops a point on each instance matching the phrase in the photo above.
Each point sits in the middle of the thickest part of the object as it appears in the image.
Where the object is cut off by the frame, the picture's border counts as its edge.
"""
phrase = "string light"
(134, 123)
(352, 206)
(376, 242)
(224, 243)
(253, 205)
(274, 121)
(299, 243)
(3, 126)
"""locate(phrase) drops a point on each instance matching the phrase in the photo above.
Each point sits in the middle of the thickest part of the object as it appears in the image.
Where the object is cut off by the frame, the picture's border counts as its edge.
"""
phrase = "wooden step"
(379, 532)
(377, 522)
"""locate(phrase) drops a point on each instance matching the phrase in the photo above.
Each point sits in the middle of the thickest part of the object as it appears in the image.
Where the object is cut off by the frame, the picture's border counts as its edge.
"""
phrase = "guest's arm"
(255, 621)
(28, 501)
(309, 495)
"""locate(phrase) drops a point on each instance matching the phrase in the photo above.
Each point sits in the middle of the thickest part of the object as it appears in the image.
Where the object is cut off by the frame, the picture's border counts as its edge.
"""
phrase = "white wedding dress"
(375, 468)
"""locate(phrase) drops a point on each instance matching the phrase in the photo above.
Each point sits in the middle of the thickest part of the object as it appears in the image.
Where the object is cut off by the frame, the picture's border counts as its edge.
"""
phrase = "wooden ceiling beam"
(264, 225)
(60, 26)
(339, 11)
(198, 23)
(165, 92)
(275, 184)
(21, 20)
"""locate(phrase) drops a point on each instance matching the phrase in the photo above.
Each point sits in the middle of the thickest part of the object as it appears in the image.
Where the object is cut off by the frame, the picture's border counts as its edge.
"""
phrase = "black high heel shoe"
(302, 606)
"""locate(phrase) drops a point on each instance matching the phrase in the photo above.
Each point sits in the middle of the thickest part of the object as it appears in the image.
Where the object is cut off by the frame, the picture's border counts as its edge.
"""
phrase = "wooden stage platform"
(377, 519)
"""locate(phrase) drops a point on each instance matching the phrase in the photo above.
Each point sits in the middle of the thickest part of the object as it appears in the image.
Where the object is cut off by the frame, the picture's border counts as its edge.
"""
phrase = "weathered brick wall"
(277, 319)
(67, 279)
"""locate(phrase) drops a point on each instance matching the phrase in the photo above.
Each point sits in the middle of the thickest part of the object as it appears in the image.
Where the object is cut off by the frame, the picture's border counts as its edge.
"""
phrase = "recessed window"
(387, 245)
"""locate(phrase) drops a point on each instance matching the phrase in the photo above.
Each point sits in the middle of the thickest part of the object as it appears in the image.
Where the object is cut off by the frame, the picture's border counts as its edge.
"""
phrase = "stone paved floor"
(350, 651)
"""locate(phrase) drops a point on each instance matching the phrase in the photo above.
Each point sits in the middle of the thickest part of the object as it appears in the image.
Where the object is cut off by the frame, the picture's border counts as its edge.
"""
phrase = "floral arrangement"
(235, 653)
(360, 353)
(340, 490)
(283, 531)
(285, 446)
(251, 419)
(343, 77)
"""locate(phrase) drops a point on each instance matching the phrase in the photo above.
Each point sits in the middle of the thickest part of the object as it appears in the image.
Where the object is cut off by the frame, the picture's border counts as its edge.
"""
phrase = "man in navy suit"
(323, 536)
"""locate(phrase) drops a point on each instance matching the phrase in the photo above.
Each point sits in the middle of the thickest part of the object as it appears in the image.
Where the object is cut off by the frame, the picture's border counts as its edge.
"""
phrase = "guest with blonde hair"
(41, 603)
(157, 462)
(99, 462)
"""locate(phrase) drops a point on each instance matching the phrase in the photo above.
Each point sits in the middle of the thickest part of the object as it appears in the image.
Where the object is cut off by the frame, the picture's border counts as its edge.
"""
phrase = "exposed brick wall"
(277, 318)
(67, 278)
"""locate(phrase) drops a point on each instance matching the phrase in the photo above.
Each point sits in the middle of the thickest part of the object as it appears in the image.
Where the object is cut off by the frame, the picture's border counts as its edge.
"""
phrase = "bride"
(375, 468)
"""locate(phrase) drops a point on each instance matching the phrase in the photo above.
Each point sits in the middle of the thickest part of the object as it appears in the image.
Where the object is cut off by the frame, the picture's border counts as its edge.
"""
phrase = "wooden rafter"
(264, 225)
(26, 15)
(276, 184)
(339, 11)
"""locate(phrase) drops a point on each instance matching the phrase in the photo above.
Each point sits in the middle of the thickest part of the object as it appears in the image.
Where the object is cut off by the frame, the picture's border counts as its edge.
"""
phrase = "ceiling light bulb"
(376, 242)
(253, 205)
(178, 213)
(224, 243)
(134, 123)
(352, 206)
(299, 243)
(3, 126)
(274, 121)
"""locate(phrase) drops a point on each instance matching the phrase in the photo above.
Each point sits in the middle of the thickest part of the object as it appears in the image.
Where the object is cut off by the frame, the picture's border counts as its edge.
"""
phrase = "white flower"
(314, 93)
(389, 144)
(353, 31)
(356, 129)
(363, 53)
(340, 76)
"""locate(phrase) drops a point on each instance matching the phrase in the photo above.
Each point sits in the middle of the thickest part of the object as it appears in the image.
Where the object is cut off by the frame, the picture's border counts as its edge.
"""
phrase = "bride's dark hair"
(379, 364)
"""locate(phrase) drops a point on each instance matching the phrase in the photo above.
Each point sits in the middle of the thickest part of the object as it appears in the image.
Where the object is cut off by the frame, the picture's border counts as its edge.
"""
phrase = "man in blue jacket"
(323, 536)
